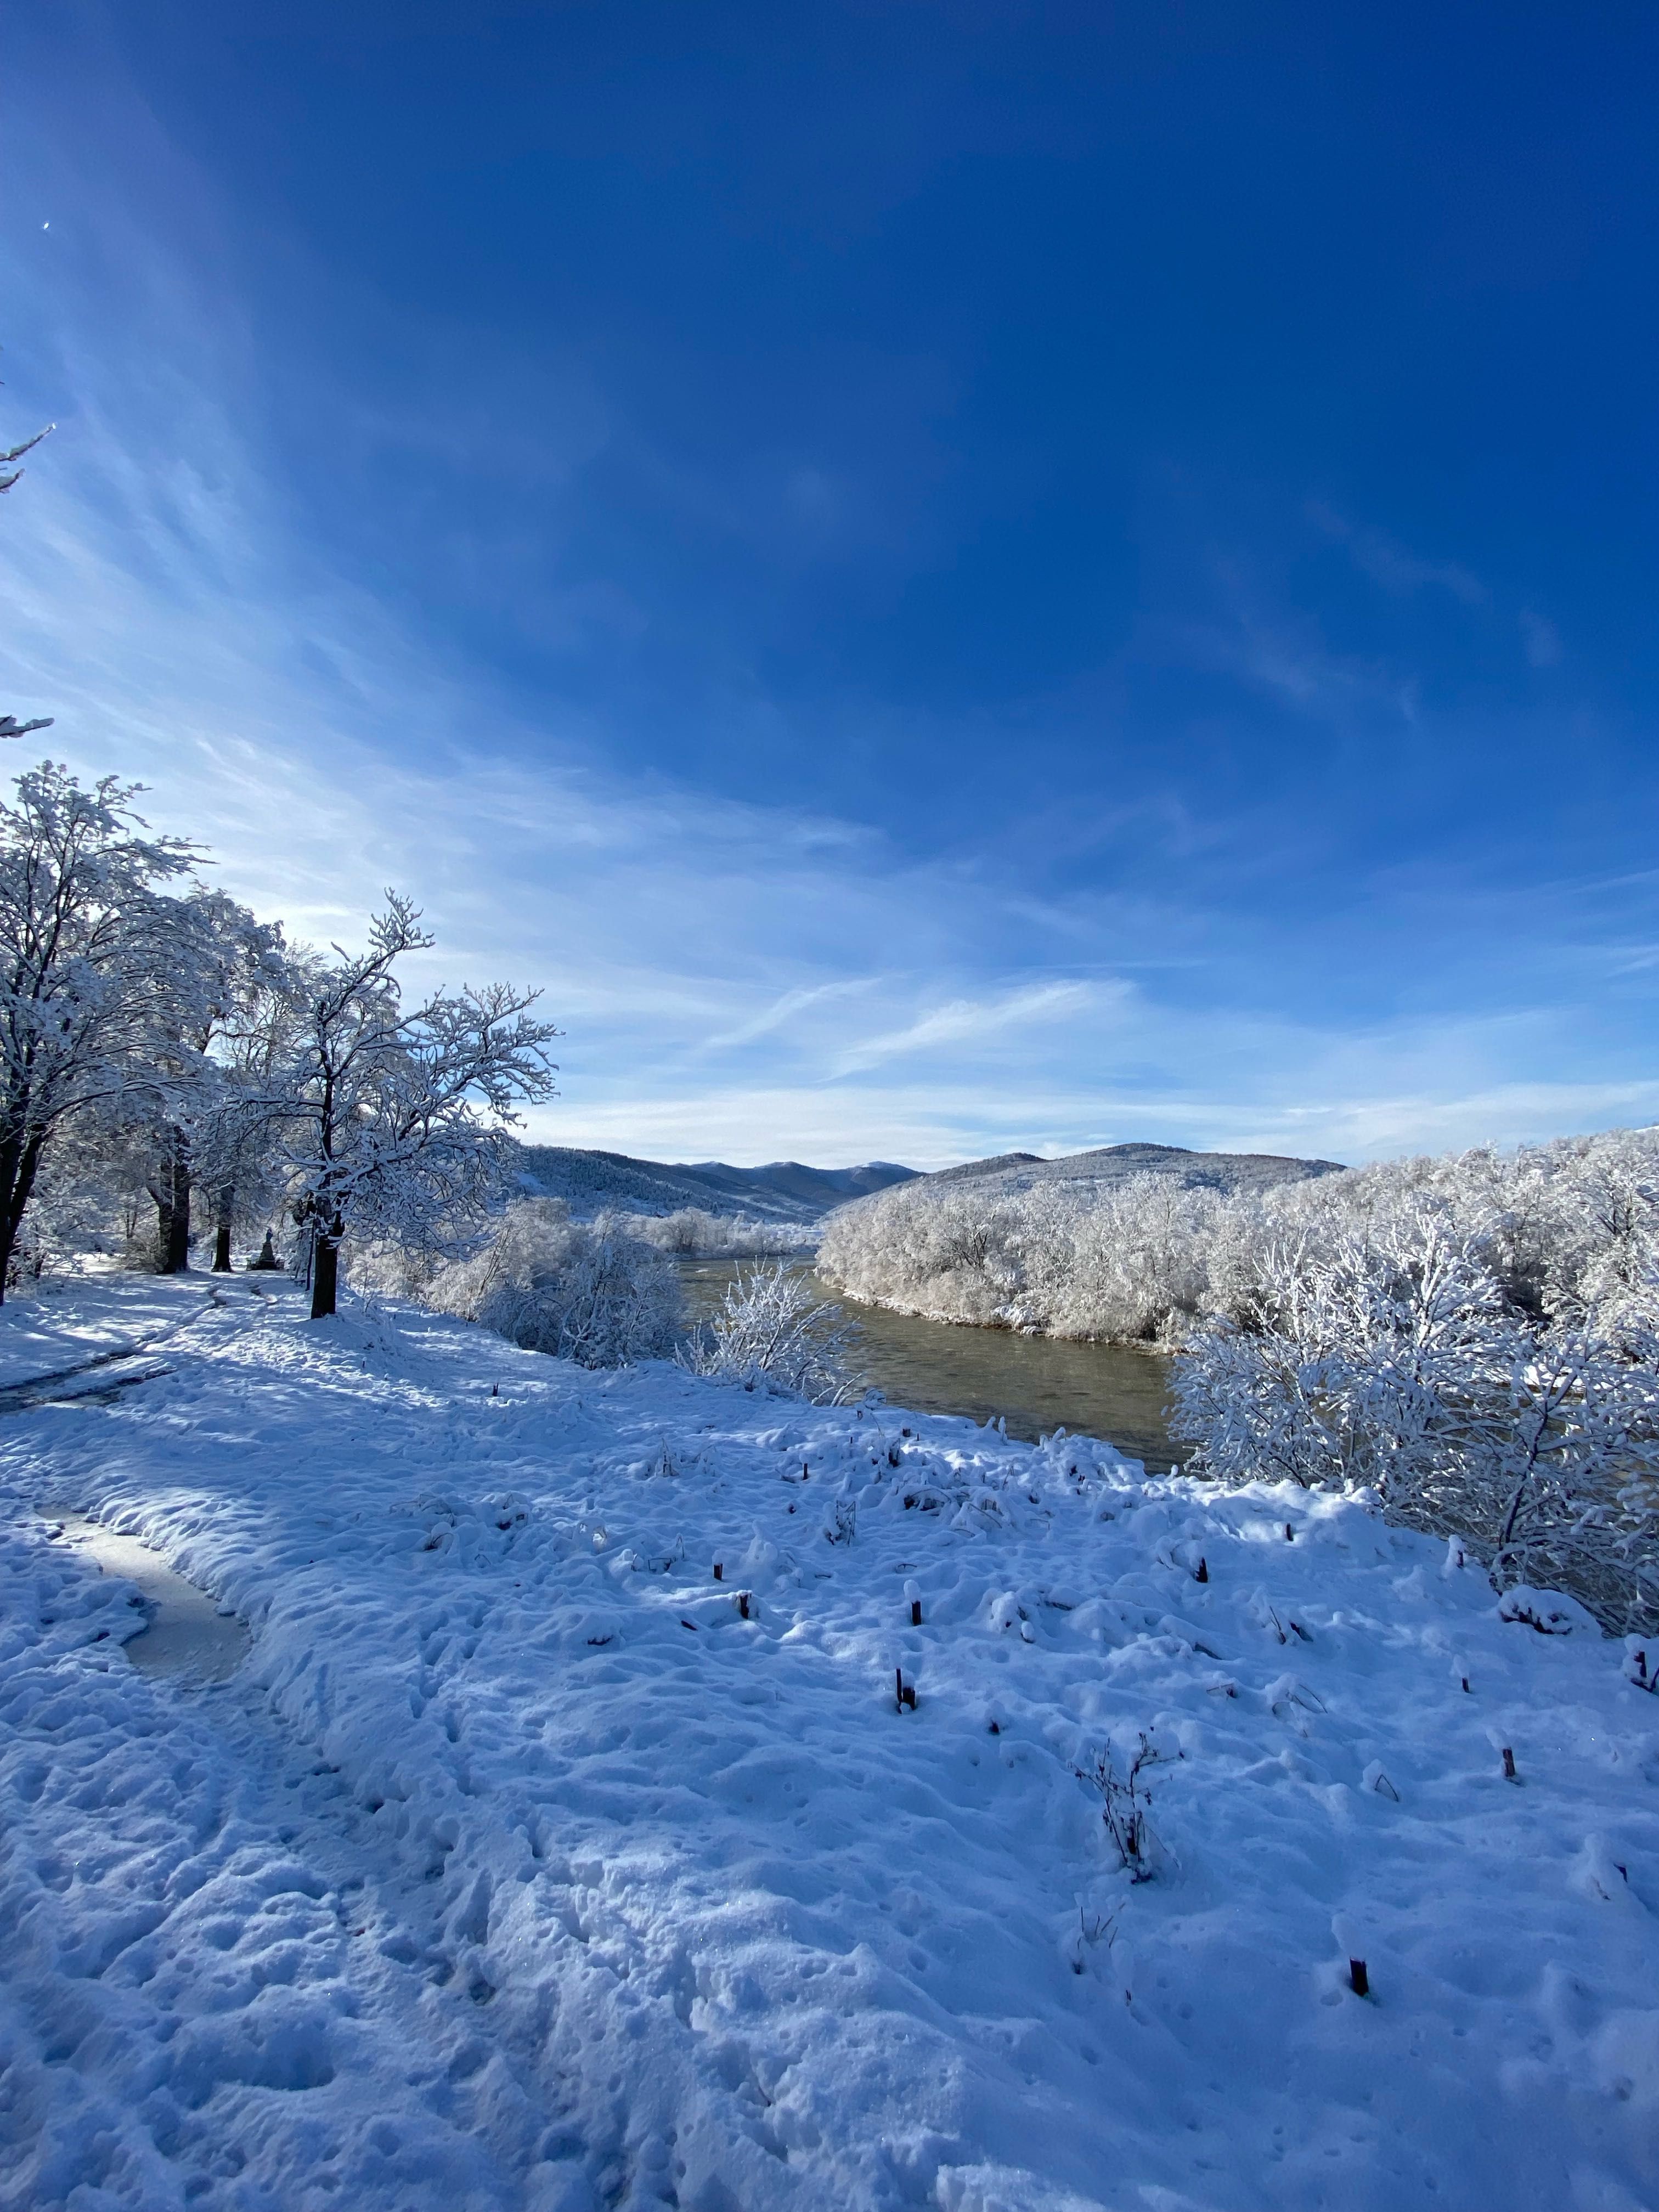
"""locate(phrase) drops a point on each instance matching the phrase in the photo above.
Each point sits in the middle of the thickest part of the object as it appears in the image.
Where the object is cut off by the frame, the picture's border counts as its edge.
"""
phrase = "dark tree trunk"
(20, 1161)
(222, 1230)
(172, 1191)
(325, 1276)
(176, 1260)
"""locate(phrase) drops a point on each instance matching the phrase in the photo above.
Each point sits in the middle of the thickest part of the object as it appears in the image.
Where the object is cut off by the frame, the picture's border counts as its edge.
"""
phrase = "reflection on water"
(1036, 1383)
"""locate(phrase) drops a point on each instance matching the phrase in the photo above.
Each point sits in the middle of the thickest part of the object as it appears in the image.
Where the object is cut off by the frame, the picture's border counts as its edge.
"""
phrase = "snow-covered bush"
(771, 1334)
(616, 1302)
(587, 1292)
(940, 1250)
(1401, 1360)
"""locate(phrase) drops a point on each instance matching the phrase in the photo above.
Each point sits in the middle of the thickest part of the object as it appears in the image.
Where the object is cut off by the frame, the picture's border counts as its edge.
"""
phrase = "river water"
(1036, 1383)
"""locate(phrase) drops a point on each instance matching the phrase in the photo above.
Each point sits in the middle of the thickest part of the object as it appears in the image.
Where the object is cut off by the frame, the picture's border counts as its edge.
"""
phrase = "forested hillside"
(592, 1182)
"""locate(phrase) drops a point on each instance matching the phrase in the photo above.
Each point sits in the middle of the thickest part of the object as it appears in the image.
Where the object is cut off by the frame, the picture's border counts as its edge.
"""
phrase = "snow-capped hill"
(591, 1181)
(1109, 1164)
(641, 1792)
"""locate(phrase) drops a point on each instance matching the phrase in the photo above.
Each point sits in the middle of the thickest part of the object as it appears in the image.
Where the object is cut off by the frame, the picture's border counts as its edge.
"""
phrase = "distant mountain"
(970, 1169)
(1115, 1164)
(784, 1191)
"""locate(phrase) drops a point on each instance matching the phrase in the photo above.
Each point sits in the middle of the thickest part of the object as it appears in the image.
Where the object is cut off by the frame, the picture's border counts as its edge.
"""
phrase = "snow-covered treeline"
(160, 1047)
(1126, 1263)
(691, 1232)
(1153, 1259)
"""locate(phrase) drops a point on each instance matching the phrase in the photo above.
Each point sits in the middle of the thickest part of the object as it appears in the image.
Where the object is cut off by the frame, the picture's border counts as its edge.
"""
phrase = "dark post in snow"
(267, 1263)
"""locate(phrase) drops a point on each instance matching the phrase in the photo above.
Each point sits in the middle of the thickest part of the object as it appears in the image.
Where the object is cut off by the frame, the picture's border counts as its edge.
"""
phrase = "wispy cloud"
(960, 1021)
(1391, 565)
(784, 1009)
(1279, 653)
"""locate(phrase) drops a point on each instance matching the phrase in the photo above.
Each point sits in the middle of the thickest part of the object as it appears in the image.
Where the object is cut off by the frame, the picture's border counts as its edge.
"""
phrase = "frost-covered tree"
(1125, 1263)
(394, 1117)
(89, 940)
(254, 1010)
(225, 969)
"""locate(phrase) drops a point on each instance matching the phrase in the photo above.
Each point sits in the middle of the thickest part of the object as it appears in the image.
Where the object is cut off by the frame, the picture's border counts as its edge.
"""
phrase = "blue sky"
(946, 577)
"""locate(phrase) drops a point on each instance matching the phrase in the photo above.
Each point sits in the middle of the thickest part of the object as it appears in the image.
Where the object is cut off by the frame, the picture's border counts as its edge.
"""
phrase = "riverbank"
(562, 1840)
(1035, 1384)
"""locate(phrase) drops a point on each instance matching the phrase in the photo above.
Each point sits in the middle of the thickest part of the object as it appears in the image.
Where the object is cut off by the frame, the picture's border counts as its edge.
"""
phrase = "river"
(1036, 1383)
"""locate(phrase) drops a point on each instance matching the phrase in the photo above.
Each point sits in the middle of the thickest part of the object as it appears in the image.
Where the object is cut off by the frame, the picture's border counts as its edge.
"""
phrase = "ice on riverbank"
(527, 1861)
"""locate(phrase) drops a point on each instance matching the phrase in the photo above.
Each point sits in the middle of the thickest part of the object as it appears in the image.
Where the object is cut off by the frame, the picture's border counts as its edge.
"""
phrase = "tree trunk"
(19, 1164)
(175, 1258)
(325, 1276)
(221, 1230)
(14, 1183)
(171, 1191)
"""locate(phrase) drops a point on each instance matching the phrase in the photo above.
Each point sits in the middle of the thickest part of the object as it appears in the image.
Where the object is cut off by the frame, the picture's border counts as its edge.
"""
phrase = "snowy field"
(515, 1866)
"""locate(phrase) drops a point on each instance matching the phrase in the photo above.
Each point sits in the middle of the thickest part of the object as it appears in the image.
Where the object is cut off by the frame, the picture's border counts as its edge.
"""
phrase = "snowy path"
(54, 1323)
(517, 1866)
(187, 1635)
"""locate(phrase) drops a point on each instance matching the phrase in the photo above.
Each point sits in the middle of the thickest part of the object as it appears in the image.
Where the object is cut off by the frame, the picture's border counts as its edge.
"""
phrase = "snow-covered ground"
(515, 1867)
